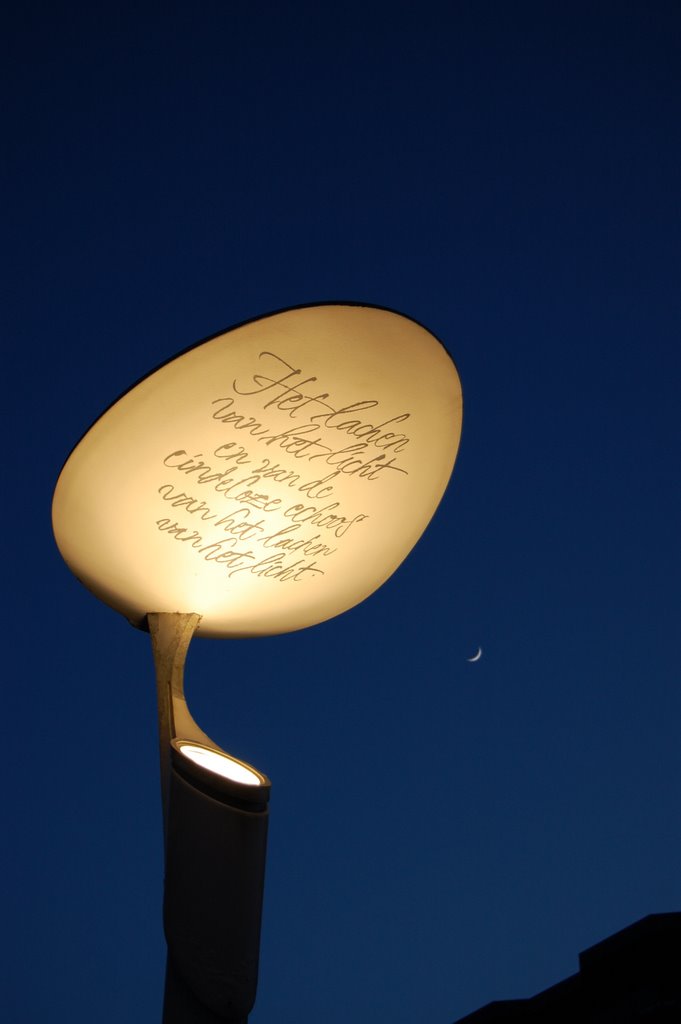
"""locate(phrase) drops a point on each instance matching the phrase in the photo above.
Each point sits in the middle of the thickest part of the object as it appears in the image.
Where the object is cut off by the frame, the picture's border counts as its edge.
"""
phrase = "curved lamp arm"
(171, 634)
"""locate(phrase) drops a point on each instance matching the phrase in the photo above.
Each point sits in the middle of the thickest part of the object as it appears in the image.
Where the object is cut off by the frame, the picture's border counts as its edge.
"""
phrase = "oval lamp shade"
(268, 478)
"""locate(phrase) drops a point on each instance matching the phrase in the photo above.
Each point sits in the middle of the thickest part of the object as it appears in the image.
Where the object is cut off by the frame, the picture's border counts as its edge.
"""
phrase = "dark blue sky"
(442, 834)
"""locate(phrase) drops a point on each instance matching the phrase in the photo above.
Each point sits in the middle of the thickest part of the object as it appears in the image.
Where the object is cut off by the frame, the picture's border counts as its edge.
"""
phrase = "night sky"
(442, 833)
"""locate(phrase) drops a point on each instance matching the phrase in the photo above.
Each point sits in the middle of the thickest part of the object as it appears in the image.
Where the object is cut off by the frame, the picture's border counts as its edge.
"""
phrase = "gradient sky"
(442, 834)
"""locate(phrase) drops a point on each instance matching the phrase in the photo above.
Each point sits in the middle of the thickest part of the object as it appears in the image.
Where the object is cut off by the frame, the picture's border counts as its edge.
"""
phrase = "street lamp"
(265, 480)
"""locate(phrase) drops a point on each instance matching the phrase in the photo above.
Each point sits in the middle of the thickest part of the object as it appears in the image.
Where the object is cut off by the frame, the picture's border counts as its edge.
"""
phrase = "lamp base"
(180, 1005)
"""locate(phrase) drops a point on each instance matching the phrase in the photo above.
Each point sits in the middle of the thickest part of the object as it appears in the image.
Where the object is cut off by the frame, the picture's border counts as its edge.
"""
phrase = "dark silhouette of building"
(633, 976)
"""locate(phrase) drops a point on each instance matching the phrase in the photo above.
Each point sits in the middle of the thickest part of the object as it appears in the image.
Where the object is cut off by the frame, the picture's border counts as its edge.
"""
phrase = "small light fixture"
(219, 763)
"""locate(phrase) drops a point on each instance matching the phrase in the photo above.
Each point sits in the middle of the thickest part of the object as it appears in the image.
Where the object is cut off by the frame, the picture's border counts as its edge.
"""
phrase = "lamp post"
(265, 480)
(215, 832)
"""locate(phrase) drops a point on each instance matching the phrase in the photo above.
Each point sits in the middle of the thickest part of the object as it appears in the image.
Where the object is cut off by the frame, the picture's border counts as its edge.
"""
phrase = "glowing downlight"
(220, 764)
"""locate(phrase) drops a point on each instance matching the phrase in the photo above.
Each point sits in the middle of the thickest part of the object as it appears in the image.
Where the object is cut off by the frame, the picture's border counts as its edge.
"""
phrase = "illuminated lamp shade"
(268, 478)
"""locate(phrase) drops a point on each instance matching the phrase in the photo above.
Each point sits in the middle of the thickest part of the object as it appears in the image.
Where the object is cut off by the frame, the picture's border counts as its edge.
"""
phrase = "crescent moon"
(476, 657)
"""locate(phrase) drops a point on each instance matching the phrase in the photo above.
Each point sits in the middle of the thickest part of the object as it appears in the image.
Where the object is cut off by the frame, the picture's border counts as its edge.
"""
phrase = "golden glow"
(220, 764)
(269, 478)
